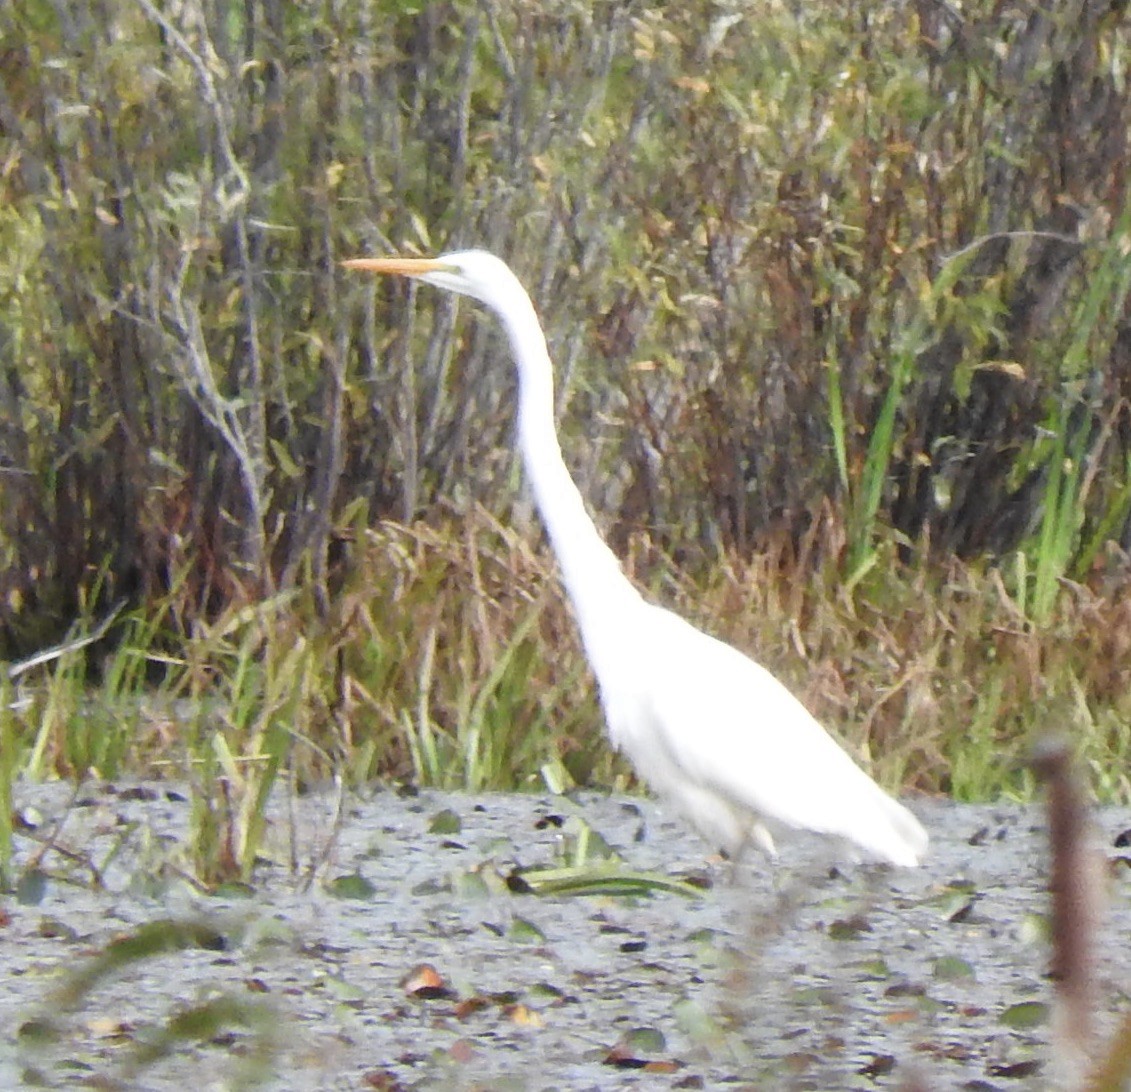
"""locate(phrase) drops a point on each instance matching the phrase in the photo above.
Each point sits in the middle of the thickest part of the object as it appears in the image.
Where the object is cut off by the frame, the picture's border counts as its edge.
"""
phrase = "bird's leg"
(758, 837)
(764, 840)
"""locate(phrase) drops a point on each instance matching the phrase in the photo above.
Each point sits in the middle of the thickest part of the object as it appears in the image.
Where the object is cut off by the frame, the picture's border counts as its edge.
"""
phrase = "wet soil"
(397, 950)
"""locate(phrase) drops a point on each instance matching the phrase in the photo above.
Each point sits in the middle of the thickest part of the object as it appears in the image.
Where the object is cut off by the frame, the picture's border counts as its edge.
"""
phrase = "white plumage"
(703, 724)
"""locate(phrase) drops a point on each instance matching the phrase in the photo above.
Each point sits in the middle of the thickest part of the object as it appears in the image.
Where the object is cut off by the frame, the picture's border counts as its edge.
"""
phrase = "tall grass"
(1073, 459)
(449, 657)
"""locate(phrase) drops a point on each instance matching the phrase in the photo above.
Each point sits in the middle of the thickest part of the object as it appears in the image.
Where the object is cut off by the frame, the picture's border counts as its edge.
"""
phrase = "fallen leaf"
(880, 1066)
(525, 931)
(445, 822)
(952, 968)
(1016, 1070)
(382, 1081)
(470, 1006)
(422, 978)
(849, 928)
(1025, 1014)
(633, 1048)
(524, 1017)
(351, 886)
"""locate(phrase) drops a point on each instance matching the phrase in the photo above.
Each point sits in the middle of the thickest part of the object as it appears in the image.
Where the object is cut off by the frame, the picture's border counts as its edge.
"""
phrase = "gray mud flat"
(819, 974)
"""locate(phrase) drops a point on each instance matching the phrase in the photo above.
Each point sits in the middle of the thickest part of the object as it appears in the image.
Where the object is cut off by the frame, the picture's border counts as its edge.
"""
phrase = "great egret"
(702, 723)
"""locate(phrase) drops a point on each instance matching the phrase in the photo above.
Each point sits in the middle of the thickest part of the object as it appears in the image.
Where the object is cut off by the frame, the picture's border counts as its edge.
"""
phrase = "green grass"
(450, 658)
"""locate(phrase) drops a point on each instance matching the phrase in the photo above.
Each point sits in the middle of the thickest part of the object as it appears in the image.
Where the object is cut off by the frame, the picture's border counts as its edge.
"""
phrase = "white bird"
(703, 724)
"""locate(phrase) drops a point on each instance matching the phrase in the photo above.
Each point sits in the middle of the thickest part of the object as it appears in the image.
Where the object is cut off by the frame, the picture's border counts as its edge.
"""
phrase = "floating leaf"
(951, 968)
(706, 935)
(424, 981)
(470, 1006)
(634, 1047)
(234, 889)
(470, 885)
(849, 928)
(523, 930)
(647, 1040)
(1016, 1070)
(1025, 1014)
(548, 989)
(956, 902)
(38, 1031)
(880, 1065)
(905, 989)
(445, 822)
(351, 886)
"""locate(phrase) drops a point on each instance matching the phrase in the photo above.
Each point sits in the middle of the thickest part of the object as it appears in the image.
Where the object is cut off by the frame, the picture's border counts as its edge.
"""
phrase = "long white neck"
(596, 584)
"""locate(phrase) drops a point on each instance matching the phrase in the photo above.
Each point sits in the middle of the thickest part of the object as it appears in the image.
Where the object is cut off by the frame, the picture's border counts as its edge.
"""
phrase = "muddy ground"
(397, 949)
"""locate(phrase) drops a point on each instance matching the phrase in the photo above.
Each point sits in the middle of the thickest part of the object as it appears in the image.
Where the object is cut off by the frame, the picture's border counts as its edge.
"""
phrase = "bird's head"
(474, 273)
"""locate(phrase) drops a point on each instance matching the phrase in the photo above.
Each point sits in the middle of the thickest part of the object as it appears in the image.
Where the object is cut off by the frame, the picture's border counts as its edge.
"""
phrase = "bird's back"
(737, 751)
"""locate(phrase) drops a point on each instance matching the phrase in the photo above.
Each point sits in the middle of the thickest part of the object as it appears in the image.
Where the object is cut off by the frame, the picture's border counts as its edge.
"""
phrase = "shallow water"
(819, 974)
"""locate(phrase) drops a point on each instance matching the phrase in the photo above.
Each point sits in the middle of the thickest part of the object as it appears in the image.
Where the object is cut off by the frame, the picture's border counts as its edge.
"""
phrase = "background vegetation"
(837, 293)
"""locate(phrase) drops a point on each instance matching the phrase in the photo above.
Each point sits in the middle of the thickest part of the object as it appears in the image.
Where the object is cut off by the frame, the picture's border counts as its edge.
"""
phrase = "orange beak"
(406, 267)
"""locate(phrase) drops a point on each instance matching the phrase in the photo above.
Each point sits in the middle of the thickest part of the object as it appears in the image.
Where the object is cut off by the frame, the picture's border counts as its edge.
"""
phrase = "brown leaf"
(424, 981)
(470, 1006)
(382, 1080)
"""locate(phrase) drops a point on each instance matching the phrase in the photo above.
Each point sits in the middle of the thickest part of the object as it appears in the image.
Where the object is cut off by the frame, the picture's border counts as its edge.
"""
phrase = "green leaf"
(951, 968)
(643, 1041)
(526, 931)
(445, 822)
(1025, 1014)
(351, 886)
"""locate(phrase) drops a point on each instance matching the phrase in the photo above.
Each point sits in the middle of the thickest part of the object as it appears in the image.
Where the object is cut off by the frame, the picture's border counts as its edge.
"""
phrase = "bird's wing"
(731, 727)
